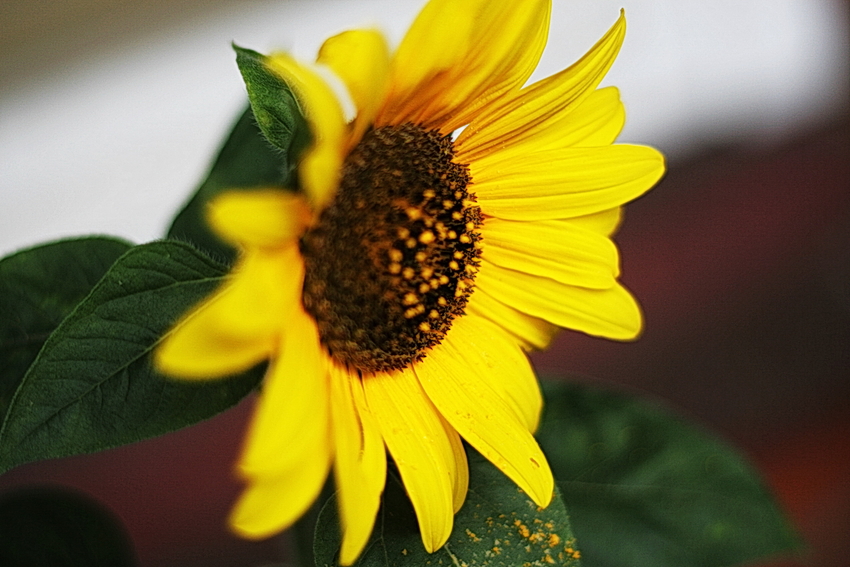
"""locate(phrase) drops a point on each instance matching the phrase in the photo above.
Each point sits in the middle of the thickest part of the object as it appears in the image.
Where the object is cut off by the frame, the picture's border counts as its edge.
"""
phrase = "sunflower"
(397, 292)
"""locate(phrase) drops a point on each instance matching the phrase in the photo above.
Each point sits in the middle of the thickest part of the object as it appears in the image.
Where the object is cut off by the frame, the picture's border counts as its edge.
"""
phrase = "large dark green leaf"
(51, 526)
(38, 288)
(498, 526)
(646, 489)
(246, 161)
(93, 386)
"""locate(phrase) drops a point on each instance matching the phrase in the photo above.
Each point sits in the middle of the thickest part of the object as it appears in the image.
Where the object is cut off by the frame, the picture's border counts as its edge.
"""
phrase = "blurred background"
(111, 110)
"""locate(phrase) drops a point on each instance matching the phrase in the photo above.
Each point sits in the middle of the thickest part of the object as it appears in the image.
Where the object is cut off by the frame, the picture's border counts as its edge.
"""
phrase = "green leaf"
(498, 526)
(93, 386)
(60, 527)
(275, 106)
(245, 161)
(262, 151)
(38, 288)
(646, 489)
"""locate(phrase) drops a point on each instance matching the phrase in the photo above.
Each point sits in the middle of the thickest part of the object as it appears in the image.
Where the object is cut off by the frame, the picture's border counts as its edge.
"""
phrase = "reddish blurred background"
(741, 260)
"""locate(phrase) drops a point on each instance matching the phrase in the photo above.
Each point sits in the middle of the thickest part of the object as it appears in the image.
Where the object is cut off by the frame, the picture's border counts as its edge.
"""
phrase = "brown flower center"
(392, 260)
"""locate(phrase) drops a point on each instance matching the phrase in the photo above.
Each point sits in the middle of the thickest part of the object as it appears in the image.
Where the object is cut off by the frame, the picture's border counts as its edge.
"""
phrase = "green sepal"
(39, 287)
(498, 526)
(246, 161)
(275, 106)
(93, 385)
(646, 489)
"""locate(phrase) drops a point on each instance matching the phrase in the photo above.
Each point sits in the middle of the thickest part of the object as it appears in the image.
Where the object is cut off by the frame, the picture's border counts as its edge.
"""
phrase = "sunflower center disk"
(391, 261)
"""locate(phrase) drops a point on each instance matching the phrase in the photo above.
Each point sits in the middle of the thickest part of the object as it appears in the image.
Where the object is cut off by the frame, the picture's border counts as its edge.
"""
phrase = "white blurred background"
(111, 110)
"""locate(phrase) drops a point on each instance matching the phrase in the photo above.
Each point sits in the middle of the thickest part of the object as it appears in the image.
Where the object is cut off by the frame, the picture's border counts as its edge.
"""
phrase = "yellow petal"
(319, 169)
(239, 325)
(361, 463)
(262, 218)
(417, 440)
(288, 447)
(605, 223)
(480, 381)
(460, 55)
(611, 313)
(361, 59)
(461, 466)
(270, 504)
(533, 108)
(292, 419)
(570, 182)
(595, 121)
(556, 249)
(531, 332)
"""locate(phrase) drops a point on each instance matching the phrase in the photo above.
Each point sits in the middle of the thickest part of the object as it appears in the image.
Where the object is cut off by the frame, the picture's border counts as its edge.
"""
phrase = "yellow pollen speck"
(465, 238)
(522, 529)
(470, 226)
(413, 213)
(448, 204)
(433, 314)
(421, 256)
(396, 255)
(424, 327)
(427, 273)
(454, 265)
(403, 232)
(457, 215)
(408, 273)
(427, 237)
(410, 243)
(458, 195)
(457, 255)
(444, 279)
(424, 288)
(452, 235)
(414, 311)
(395, 268)
(554, 540)
(410, 299)
(429, 193)
(548, 559)
(441, 301)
